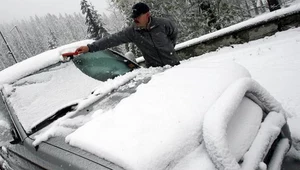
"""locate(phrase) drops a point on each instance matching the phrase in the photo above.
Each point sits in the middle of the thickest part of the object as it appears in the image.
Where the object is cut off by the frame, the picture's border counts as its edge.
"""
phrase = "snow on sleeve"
(160, 123)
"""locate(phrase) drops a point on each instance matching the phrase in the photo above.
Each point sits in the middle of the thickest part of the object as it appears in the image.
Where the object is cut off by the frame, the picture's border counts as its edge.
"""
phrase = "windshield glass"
(103, 65)
(35, 97)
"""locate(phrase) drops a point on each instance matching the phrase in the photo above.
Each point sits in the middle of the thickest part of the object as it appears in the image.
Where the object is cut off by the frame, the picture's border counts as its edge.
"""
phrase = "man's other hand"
(82, 49)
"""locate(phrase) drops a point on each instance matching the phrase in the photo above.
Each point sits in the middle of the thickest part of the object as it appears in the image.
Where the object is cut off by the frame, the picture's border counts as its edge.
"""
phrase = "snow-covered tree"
(93, 21)
(193, 17)
(52, 40)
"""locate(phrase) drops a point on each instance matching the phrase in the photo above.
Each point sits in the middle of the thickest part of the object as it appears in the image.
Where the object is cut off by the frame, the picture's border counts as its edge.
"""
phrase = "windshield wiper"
(60, 113)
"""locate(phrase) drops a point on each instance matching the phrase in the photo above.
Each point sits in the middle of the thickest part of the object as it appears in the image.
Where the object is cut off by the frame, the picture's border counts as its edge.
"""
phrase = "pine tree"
(93, 21)
(52, 40)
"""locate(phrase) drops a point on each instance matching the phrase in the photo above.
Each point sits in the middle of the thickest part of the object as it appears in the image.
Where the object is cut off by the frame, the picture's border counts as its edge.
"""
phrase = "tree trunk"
(248, 9)
(255, 7)
(262, 9)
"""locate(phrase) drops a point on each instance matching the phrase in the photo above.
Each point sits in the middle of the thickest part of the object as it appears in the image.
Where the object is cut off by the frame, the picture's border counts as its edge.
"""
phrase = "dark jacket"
(156, 43)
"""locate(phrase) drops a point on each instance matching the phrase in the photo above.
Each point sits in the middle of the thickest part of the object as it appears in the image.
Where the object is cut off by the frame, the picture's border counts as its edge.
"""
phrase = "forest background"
(194, 18)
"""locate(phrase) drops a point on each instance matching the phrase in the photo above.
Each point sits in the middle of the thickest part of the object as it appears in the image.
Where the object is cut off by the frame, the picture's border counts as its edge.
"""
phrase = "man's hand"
(82, 49)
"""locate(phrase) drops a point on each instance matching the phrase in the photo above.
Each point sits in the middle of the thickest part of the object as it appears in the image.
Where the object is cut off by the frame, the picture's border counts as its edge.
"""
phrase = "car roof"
(36, 63)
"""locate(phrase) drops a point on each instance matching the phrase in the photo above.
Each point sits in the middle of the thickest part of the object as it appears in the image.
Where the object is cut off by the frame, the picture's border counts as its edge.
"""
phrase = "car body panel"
(53, 155)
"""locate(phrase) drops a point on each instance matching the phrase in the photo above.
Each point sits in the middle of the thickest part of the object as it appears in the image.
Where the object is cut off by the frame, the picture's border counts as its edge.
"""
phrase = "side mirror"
(130, 56)
(6, 135)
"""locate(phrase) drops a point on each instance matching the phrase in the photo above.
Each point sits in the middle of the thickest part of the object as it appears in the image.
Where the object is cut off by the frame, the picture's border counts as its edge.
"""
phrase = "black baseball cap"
(139, 9)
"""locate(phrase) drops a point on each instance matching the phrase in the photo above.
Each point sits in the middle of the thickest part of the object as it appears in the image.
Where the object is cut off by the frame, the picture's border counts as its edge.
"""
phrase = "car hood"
(162, 122)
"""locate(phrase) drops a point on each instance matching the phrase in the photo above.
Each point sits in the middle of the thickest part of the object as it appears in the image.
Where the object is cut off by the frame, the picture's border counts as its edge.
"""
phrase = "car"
(103, 111)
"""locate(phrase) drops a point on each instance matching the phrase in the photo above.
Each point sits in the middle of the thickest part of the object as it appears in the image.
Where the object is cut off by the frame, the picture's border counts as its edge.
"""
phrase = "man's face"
(142, 20)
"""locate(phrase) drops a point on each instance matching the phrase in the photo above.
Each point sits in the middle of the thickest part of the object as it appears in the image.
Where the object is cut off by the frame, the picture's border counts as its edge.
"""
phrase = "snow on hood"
(162, 121)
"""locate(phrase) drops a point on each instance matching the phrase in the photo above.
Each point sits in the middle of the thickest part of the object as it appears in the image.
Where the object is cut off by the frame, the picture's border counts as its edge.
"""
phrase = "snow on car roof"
(162, 121)
(37, 62)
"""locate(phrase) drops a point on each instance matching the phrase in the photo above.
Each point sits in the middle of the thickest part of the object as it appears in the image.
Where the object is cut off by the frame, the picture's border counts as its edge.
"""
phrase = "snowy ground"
(274, 62)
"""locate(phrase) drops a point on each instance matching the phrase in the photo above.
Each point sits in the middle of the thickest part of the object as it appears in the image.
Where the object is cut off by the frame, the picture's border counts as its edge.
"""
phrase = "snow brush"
(69, 56)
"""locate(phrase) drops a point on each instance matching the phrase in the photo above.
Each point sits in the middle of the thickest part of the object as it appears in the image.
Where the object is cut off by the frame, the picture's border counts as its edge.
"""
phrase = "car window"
(103, 65)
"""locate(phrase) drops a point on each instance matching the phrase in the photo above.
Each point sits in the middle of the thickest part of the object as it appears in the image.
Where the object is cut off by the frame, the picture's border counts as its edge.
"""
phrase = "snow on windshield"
(71, 121)
(40, 94)
(52, 90)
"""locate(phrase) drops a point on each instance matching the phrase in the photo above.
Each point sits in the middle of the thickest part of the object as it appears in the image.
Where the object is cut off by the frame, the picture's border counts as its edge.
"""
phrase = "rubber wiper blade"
(60, 113)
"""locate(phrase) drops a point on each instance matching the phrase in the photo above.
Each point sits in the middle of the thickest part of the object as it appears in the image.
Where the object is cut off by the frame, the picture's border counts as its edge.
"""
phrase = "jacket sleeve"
(124, 36)
(172, 32)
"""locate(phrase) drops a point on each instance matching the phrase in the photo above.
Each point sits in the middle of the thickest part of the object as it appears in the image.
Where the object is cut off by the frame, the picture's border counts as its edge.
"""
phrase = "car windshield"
(39, 95)
(103, 65)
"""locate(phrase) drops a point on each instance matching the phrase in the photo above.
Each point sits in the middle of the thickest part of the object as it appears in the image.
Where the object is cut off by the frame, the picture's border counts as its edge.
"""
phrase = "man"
(155, 37)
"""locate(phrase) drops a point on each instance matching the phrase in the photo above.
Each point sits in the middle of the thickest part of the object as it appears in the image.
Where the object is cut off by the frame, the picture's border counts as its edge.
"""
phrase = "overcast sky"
(22, 9)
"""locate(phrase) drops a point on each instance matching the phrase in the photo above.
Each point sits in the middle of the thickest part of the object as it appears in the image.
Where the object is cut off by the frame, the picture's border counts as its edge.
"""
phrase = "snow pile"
(222, 111)
(241, 130)
(162, 122)
(71, 121)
